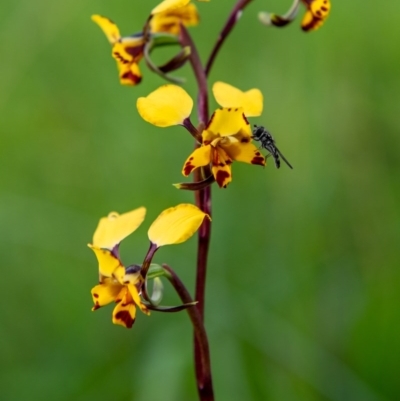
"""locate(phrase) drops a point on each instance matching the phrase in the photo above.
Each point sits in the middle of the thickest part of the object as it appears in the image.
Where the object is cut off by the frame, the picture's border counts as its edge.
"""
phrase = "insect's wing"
(284, 158)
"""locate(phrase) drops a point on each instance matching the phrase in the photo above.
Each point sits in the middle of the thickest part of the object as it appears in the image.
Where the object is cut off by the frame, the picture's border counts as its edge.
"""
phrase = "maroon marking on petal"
(258, 154)
(229, 109)
(229, 162)
(324, 8)
(312, 24)
(258, 160)
(318, 12)
(95, 295)
(188, 168)
(245, 119)
(135, 79)
(136, 52)
(118, 56)
(221, 177)
(96, 306)
(125, 317)
(191, 158)
(211, 119)
(245, 139)
(236, 109)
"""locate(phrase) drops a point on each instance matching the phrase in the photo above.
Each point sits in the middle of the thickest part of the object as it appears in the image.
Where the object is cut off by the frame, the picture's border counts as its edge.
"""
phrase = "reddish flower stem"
(229, 25)
(205, 388)
(203, 201)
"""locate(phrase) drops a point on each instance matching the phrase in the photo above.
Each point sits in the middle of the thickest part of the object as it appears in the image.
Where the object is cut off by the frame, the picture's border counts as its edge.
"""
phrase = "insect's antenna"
(284, 158)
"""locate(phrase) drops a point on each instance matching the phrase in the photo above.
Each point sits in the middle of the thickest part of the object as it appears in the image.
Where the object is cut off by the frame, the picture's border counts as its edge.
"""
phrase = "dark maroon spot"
(318, 12)
(245, 140)
(258, 160)
(96, 306)
(229, 162)
(324, 8)
(191, 158)
(229, 109)
(221, 164)
(95, 295)
(124, 316)
(188, 168)
(221, 177)
(136, 52)
(258, 154)
(245, 119)
(120, 58)
(236, 109)
(135, 79)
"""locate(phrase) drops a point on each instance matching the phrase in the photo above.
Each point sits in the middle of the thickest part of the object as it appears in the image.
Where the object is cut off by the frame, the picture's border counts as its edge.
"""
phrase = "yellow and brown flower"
(227, 136)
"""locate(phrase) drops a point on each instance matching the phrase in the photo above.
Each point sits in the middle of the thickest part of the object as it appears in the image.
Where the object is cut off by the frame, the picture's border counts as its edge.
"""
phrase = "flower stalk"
(203, 363)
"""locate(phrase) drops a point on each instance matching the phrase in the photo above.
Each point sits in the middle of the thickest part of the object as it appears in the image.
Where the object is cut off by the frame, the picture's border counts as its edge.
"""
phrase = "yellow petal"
(105, 293)
(112, 229)
(176, 224)
(228, 121)
(168, 105)
(230, 97)
(109, 265)
(221, 167)
(108, 27)
(243, 151)
(315, 15)
(125, 311)
(136, 298)
(168, 21)
(129, 74)
(129, 50)
(169, 5)
(320, 8)
(200, 157)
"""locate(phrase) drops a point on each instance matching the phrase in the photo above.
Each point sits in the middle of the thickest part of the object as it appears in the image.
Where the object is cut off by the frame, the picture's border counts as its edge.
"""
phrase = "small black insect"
(268, 143)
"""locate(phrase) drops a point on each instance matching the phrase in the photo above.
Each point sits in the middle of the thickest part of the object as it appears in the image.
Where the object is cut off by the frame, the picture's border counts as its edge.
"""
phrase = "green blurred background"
(303, 284)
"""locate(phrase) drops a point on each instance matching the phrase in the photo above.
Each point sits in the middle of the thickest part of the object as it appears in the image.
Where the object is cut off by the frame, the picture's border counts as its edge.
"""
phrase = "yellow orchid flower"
(316, 14)
(227, 136)
(129, 50)
(123, 285)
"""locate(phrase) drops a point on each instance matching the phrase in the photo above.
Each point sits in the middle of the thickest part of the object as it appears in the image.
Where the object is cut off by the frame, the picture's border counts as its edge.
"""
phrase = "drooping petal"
(112, 229)
(105, 293)
(136, 298)
(316, 14)
(108, 27)
(125, 311)
(109, 265)
(221, 167)
(228, 121)
(166, 106)
(168, 21)
(200, 157)
(230, 97)
(243, 151)
(176, 224)
(129, 50)
(129, 74)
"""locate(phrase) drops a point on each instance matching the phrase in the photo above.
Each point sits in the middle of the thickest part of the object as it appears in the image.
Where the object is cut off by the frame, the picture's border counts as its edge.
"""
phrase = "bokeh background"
(303, 284)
